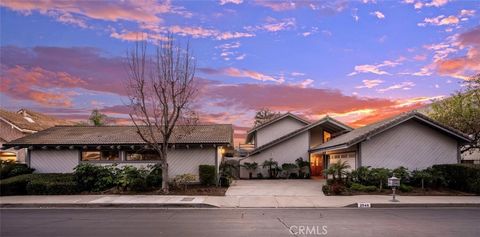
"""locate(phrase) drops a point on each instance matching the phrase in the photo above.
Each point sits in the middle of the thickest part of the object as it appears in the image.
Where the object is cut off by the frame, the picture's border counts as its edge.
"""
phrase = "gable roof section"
(278, 119)
(326, 119)
(363, 133)
(30, 121)
(115, 135)
(288, 114)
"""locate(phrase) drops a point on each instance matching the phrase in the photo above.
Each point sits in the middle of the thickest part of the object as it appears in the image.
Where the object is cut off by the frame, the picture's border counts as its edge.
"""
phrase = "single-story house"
(61, 148)
(14, 125)
(411, 139)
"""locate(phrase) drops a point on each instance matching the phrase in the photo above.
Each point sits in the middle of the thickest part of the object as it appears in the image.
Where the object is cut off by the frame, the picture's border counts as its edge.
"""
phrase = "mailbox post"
(393, 182)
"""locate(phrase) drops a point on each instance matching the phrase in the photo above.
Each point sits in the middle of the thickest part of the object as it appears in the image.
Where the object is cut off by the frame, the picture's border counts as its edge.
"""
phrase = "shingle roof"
(326, 119)
(38, 121)
(360, 134)
(91, 135)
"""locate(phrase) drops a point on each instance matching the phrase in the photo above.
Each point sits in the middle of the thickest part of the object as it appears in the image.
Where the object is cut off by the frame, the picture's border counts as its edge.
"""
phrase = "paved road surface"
(240, 222)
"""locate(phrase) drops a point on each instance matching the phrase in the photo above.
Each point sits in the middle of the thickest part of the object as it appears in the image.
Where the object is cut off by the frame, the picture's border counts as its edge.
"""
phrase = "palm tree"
(302, 166)
(271, 165)
(380, 174)
(251, 167)
(338, 169)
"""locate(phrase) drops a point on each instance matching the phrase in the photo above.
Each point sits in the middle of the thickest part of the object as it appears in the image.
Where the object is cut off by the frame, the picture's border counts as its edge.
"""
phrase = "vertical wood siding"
(277, 129)
(412, 145)
(54, 161)
(181, 161)
(285, 152)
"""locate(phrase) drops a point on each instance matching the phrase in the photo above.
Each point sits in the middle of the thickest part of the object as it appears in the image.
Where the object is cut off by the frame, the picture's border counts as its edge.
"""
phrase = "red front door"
(316, 165)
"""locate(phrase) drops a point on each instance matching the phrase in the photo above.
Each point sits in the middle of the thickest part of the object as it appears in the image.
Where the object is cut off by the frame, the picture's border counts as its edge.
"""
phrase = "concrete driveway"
(278, 187)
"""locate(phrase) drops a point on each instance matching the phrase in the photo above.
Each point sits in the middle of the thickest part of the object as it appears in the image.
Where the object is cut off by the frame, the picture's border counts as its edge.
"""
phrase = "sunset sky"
(358, 61)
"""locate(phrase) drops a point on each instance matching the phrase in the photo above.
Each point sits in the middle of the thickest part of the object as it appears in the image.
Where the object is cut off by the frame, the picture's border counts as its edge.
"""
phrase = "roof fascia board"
(17, 127)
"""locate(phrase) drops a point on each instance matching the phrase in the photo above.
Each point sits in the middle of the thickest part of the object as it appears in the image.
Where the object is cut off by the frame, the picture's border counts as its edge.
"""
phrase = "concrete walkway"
(232, 201)
(284, 187)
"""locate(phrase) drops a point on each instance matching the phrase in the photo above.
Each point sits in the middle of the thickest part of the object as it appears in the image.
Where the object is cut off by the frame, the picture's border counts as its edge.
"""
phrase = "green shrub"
(154, 177)
(460, 177)
(52, 184)
(182, 180)
(403, 174)
(36, 184)
(94, 178)
(207, 174)
(363, 188)
(259, 176)
(10, 169)
(326, 189)
(15, 185)
(405, 188)
(131, 178)
(224, 182)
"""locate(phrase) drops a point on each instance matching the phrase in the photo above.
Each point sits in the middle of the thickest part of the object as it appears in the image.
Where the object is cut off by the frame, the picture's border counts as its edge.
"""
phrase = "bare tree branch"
(161, 89)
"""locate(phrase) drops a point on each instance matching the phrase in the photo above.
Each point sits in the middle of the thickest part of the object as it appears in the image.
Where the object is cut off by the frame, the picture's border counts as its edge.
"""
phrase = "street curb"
(98, 205)
(404, 205)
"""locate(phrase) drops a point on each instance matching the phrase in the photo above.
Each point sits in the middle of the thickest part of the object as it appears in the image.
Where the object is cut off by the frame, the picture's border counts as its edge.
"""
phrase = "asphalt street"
(239, 222)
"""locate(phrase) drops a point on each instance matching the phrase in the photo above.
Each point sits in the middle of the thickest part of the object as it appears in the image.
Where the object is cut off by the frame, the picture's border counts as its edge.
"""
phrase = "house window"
(142, 155)
(100, 155)
(326, 136)
(8, 156)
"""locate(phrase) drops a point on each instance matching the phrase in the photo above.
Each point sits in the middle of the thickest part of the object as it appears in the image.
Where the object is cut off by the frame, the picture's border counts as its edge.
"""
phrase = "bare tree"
(161, 88)
(264, 115)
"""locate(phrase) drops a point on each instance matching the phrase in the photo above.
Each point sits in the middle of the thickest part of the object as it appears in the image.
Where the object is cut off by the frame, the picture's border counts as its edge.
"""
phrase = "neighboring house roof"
(363, 133)
(117, 135)
(30, 121)
(288, 136)
(274, 120)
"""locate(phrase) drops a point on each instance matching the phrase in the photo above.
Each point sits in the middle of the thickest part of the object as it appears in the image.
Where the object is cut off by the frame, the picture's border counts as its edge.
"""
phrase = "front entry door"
(316, 165)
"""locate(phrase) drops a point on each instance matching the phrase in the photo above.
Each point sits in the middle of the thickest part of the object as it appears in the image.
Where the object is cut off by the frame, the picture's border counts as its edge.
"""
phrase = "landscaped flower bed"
(452, 179)
(95, 179)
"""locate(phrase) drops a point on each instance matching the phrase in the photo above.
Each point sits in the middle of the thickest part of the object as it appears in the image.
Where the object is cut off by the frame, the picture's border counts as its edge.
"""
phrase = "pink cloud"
(39, 85)
(129, 10)
(99, 73)
(235, 72)
(287, 98)
(464, 66)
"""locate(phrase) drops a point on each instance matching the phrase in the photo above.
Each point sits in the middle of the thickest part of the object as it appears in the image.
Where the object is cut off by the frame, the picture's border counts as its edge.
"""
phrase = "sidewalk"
(235, 201)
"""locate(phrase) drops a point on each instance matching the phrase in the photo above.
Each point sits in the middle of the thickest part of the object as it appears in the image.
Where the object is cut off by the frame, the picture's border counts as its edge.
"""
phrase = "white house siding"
(471, 157)
(277, 129)
(180, 161)
(412, 145)
(285, 152)
(54, 161)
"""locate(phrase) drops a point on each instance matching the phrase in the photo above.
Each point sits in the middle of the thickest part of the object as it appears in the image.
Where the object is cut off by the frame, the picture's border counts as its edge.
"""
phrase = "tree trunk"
(165, 177)
(250, 175)
(423, 185)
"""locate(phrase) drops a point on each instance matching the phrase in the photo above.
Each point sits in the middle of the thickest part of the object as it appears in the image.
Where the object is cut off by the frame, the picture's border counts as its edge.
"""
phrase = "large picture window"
(142, 155)
(100, 155)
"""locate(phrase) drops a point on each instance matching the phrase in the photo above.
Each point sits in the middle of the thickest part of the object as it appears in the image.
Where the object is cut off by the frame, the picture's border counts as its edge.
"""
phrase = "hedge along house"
(412, 140)
(59, 149)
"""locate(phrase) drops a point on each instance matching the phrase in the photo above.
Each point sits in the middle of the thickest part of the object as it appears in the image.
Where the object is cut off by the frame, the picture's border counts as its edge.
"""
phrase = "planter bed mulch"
(192, 190)
(414, 192)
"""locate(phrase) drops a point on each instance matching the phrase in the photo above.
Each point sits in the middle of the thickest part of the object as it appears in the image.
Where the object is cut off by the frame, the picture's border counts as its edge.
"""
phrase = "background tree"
(462, 111)
(264, 115)
(250, 167)
(161, 89)
(97, 118)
